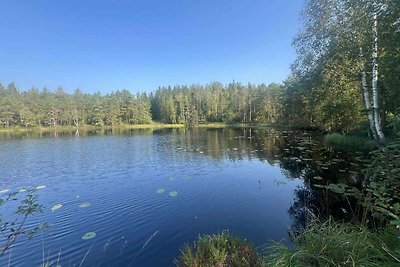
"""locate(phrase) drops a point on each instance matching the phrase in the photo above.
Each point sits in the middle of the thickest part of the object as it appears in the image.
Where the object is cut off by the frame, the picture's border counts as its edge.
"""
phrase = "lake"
(147, 192)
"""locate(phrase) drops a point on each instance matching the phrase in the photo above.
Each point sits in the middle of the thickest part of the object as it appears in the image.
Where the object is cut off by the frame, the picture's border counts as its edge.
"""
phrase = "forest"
(346, 77)
(344, 84)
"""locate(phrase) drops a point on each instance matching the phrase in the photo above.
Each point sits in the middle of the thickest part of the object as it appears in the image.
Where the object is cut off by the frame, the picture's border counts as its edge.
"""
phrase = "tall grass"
(338, 244)
(349, 143)
(217, 251)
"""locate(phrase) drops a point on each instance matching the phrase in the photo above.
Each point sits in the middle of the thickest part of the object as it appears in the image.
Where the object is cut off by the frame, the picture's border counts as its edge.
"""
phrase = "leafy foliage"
(15, 228)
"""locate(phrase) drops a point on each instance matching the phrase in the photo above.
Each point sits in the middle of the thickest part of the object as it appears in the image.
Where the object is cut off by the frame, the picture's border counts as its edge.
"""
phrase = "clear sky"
(139, 45)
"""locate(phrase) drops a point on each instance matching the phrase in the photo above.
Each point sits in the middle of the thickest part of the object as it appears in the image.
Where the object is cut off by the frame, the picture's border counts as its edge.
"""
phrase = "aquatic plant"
(89, 235)
(56, 207)
(84, 205)
(349, 143)
(173, 194)
(160, 190)
(338, 244)
(218, 250)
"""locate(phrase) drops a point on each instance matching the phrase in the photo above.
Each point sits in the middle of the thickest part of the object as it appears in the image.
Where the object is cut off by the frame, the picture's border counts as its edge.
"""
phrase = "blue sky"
(99, 45)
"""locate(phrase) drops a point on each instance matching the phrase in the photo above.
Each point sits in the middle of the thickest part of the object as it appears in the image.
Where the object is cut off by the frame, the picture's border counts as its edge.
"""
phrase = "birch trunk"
(367, 100)
(375, 100)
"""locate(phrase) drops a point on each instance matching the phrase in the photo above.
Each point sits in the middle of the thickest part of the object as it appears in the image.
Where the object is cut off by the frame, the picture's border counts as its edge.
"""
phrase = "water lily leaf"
(22, 190)
(4, 191)
(89, 235)
(40, 187)
(317, 177)
(171, 179)
(160, 190)
(84, 205)
(56, 207)
(173, 194)
(187, 177)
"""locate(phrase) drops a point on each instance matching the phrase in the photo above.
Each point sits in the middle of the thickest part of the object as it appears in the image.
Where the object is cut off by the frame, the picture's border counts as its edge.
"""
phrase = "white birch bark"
(367, 101)
(375, 99)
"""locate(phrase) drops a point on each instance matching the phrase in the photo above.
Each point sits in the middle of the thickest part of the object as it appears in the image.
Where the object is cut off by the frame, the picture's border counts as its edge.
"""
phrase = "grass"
(217, 251)
(349, 143)
(338, 244)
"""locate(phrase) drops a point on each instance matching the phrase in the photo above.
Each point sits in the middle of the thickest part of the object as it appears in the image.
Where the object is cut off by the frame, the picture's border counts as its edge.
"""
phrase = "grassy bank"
(349, 142)
(321, 244)
(339, 244)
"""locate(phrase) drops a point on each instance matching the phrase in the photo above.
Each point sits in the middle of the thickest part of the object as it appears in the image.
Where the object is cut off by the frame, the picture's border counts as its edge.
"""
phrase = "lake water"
(247, 181)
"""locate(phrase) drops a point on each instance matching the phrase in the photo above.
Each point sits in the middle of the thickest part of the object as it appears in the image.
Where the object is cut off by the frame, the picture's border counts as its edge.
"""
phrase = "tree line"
(214, 102)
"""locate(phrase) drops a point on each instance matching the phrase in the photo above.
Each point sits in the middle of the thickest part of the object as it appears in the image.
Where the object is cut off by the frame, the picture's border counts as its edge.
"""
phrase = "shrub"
(218, 250)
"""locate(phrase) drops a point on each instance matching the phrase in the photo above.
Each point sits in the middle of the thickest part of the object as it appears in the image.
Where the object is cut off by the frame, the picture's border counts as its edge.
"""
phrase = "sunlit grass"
(218, 250)
(338, 244)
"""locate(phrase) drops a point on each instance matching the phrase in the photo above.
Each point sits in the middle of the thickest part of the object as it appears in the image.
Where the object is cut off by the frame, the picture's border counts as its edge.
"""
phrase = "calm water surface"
(246, 181)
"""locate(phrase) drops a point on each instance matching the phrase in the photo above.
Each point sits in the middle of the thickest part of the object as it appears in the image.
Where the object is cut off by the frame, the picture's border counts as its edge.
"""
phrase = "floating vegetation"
(22, 190)
(171, 179)
(89, 235)
(317, 177)
(40, 187)
(84, 205)
(4, 191)
(160, 190)
(56, 207)
(187, 177)
(278, 183)
(173, 194)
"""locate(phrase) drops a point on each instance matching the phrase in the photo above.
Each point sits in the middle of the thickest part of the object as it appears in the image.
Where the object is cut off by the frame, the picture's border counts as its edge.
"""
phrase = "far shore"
(130, 126)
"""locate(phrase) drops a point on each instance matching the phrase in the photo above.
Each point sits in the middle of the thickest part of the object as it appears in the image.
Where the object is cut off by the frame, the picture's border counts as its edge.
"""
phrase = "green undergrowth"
(339, 244)
(349, 143)
(218, 250)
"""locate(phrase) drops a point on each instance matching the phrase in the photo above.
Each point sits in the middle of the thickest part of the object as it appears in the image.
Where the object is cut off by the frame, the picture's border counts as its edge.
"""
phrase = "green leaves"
(56, 207)
(173, 193)
(89, 235)
(160, 190)
(84, 205)
(40, 187)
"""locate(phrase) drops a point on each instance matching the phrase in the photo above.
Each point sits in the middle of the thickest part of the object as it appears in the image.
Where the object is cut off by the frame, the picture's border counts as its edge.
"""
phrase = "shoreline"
(132, 126)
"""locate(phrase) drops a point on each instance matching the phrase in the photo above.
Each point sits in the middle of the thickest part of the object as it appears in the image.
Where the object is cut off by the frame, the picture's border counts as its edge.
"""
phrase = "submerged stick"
(140, 250)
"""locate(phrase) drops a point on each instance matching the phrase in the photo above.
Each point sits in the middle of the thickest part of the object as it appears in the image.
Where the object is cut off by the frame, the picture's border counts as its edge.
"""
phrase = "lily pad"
(317, 177)
(171, 179)
(56, 207)
(89, 235)
(40, 187)
(22, 190)
(4, 191)
(173, 194)
(160, 190)
(84, 205)
(187, 177)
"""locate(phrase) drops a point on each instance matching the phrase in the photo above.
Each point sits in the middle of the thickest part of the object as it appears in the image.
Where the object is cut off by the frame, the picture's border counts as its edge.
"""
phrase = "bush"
(217, 251)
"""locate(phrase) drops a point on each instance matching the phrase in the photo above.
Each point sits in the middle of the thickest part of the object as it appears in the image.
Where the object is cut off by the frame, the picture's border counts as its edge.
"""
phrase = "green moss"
(218, 250)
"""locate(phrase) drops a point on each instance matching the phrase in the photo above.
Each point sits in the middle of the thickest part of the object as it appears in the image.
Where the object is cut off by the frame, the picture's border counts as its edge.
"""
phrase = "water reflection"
(212, 169)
